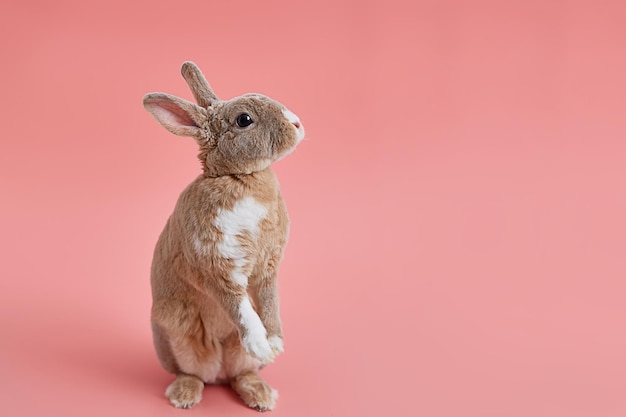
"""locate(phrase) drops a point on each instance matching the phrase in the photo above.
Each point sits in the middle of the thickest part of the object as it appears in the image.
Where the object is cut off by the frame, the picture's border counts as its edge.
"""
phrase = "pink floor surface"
(458, 207)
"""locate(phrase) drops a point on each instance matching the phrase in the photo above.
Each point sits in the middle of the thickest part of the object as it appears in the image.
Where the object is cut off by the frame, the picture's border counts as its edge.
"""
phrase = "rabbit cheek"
(284, 142)
(255, 146)
(245, 152)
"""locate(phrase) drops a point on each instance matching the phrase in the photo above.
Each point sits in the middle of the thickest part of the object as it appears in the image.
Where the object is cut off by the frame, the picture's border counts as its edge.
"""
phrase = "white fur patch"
(293, 119)
(255, 341)
(291, 116)
(244, 217)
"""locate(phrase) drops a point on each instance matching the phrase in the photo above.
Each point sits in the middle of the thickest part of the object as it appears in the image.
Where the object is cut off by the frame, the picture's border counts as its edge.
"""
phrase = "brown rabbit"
(215, 312)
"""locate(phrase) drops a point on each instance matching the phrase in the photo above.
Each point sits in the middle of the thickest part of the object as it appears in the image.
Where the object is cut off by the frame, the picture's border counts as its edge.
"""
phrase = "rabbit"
(215, 308)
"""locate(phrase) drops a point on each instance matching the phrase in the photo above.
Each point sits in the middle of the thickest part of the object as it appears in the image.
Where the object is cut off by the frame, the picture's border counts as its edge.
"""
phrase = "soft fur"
(215, 312)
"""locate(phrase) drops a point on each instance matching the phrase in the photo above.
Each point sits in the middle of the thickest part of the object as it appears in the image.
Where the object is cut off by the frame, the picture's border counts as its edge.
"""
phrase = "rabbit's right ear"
(179, 116)
(202, 91)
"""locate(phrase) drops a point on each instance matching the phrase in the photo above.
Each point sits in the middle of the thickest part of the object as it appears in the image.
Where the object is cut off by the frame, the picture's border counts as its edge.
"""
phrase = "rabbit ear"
(179, 116)
(202, 91)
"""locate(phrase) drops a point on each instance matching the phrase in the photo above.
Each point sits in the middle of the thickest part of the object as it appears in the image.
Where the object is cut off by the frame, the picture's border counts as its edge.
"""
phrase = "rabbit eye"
(244, 120)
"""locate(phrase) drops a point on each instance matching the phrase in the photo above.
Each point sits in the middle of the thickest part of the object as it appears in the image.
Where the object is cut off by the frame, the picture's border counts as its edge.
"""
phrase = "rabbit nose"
(296, 124)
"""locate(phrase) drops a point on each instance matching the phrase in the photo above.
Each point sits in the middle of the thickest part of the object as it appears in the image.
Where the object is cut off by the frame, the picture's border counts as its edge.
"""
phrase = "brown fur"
(222, 246)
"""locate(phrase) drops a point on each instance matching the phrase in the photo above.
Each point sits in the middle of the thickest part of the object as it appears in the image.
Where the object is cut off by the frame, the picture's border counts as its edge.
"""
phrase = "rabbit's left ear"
(202, 91)
(179, 116)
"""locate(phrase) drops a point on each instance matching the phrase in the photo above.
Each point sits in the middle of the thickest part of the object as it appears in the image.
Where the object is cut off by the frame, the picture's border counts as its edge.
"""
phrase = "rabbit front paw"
(276, 343)
(258, 346)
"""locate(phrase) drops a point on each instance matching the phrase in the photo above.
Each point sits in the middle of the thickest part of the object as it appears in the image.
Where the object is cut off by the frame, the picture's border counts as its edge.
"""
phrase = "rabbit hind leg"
(254, 391)
(192, 356)
(243, 373)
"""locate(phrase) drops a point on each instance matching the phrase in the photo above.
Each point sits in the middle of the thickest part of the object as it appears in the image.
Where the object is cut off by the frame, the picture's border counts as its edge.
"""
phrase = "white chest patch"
(244, 217)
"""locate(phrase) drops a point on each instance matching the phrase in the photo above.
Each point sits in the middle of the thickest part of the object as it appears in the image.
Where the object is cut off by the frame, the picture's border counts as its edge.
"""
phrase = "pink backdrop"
(458, 209)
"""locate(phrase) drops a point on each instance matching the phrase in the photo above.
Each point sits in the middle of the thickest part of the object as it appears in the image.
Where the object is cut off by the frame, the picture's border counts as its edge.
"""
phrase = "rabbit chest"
(239, 227)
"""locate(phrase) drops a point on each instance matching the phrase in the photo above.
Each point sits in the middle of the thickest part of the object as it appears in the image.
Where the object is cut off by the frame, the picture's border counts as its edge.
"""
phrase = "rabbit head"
(238, 136)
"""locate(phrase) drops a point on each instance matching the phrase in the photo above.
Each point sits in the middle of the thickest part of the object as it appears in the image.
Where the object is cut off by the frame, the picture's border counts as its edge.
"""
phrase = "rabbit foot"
(185, 391)
(255, 392)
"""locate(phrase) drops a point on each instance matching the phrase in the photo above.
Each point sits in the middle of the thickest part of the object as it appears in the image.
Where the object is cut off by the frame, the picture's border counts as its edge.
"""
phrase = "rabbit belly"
(185, 340)
(201, 344)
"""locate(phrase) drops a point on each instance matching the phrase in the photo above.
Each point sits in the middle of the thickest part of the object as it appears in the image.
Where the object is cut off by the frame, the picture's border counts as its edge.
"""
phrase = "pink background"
(458, 209)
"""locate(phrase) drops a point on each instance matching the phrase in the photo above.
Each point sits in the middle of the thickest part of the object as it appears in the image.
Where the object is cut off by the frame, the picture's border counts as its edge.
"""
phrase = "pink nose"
(296, 124)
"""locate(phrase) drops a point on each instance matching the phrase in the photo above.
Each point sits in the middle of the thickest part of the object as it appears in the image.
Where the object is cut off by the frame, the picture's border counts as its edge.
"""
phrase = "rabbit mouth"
(294, 144)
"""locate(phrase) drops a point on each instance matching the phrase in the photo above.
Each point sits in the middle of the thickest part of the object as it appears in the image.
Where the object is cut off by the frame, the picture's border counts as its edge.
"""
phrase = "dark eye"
(244, 120)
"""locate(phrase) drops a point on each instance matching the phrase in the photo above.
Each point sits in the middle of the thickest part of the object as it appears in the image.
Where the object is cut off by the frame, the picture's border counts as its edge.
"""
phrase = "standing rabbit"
(215, 312)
